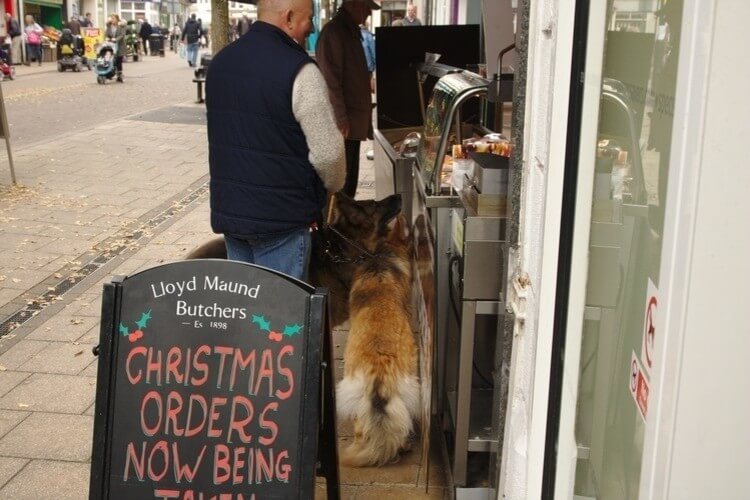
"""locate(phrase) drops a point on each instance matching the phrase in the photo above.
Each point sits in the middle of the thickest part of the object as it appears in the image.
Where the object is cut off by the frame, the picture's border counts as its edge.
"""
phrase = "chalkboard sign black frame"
(317, 451)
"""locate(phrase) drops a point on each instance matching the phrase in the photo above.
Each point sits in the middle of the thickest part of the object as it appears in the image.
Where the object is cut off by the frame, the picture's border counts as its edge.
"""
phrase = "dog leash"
(364, 253)
(335, 258)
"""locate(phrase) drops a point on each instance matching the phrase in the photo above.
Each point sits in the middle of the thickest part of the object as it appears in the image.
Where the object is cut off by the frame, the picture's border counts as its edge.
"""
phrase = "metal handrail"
(438, 70)
(443, 145)
(638, 194)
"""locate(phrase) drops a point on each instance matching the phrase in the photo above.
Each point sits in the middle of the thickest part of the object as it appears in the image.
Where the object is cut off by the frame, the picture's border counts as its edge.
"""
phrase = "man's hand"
(344, 128)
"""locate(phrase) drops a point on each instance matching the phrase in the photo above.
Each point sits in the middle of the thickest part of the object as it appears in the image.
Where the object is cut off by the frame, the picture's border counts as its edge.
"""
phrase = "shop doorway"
(45, 14)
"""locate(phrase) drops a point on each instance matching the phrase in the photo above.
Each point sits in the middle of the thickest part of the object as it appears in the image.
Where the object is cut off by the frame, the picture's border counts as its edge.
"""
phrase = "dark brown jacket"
(74, 26)
(341, 58)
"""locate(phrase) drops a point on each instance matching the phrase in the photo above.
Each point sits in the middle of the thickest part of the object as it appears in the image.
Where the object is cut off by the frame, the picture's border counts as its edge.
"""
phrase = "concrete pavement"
(75, 221)
(135, 199)
(42, 103)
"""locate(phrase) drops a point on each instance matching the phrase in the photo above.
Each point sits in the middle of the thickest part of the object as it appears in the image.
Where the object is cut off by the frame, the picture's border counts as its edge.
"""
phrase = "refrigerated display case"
(404, 83)
(460, 258)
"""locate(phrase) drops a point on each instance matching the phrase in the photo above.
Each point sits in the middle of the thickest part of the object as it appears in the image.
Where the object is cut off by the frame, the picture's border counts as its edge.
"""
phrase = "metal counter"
(460, 274)
(468, 270)
(392, 171)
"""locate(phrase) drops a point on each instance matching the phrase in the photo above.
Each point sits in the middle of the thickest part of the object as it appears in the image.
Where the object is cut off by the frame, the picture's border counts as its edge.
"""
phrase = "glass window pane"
(631, 170)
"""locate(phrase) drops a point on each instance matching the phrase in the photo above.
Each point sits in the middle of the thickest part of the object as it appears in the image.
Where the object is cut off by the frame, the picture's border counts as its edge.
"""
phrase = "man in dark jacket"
(14, 31)
(274, 151)
(191, 35)
(342, 60)
(145, 33)
(74, 25)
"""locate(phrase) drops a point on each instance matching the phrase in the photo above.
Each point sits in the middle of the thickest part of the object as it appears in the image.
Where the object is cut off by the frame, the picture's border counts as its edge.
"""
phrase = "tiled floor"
(403, 480)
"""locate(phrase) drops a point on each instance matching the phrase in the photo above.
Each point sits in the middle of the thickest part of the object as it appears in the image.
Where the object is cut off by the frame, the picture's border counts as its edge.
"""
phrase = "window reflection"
(631, 171)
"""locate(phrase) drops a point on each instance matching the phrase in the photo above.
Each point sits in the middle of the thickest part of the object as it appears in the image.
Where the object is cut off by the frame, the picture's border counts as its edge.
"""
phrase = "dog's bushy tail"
(385, 409)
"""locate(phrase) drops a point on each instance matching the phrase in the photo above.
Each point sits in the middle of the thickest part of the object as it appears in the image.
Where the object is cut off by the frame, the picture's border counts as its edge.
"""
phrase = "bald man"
(274, 148)
(411, 18)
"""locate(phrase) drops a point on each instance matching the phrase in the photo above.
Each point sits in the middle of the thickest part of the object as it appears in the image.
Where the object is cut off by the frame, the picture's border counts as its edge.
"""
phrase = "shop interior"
(442, 141)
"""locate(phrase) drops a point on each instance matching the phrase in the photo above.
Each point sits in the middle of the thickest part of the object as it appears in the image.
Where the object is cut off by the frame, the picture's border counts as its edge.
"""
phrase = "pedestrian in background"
(115, 33)
(33, 34)
(203, 41)
(342, 60)
(87, 22)
(244, 24)
(368, 44)
(14, 32)
(191, 35)
(145, 33)
(273, 146)
(74, 25)
(174, 37)
(411, 18)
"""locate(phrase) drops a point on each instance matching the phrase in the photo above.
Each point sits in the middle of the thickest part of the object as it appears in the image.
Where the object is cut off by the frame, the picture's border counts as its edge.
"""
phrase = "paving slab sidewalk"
(74, 221)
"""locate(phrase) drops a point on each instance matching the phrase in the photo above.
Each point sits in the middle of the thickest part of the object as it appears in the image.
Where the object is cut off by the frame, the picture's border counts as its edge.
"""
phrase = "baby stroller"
(70, 53)
(105, 62)
(6, 69)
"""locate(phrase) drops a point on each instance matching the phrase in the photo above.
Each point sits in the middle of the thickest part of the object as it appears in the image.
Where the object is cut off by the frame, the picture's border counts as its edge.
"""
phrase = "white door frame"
(550, 47)
(567, 446)
(677, 248)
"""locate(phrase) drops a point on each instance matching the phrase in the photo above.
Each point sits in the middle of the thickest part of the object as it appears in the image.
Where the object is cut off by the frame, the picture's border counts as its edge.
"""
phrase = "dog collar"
(339, 259)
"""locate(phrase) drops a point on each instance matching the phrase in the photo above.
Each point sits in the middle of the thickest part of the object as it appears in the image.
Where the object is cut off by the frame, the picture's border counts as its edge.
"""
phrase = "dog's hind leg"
(213, 249)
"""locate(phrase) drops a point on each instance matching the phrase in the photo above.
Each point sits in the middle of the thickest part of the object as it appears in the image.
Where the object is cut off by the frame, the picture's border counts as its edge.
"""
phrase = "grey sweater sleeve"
(313, 111)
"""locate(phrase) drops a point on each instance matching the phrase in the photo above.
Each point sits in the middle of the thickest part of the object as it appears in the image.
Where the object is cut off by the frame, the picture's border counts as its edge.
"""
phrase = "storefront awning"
(46, 3)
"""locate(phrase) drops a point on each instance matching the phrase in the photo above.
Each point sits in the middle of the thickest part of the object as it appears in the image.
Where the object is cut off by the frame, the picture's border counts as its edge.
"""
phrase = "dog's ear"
(399, 230)
(389, 208)
(344, 198)
(349, 209)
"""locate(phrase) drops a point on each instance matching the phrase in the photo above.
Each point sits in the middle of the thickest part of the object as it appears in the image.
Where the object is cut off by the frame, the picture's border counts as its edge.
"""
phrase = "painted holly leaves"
(140, 324)
(265, 326)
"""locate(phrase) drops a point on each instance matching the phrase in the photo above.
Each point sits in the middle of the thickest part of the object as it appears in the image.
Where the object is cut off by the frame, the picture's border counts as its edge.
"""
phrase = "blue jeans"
(288, 253)
(192, 53)
(34, 52)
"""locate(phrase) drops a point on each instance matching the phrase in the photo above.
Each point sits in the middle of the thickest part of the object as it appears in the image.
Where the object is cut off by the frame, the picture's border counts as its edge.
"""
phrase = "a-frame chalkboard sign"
(215, 382)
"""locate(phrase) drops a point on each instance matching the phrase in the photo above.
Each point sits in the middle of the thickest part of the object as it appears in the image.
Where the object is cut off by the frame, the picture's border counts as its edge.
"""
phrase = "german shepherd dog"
(380, 390)
(365, 262)
(338, 248)
(349, 239)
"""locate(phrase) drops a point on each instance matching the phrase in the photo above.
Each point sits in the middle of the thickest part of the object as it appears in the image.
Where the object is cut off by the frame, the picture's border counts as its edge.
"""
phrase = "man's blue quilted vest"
(261, 179)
